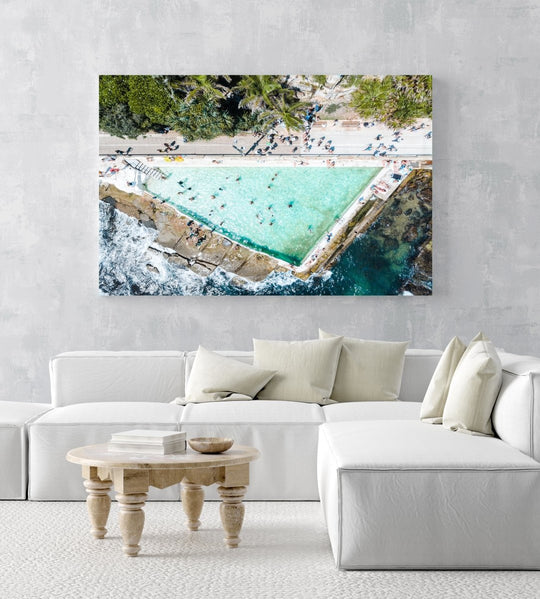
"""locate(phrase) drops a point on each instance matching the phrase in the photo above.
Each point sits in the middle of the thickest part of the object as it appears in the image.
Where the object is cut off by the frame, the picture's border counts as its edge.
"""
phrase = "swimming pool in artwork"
(281, 211)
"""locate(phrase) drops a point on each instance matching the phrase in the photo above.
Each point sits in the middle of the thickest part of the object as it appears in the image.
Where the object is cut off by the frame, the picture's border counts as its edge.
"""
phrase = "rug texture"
(46, 551)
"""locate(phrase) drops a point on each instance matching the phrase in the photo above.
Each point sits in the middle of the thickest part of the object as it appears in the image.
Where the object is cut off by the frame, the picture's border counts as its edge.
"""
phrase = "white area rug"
(46, 551)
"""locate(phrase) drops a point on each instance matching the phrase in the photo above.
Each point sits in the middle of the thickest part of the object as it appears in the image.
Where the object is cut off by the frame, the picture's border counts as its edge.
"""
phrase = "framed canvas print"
(265, 184)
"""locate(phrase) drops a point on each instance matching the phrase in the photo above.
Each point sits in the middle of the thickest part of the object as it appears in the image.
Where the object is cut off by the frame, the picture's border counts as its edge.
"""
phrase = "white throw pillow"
(437, 391)
(305, 369)
(216, 378)
(474, 389)
(368, 370)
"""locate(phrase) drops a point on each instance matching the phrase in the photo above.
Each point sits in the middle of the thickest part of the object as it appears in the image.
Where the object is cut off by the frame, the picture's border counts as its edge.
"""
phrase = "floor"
(46, 551)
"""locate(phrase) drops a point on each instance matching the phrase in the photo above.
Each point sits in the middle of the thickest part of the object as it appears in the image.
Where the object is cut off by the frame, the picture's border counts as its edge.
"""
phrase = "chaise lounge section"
(404, 494)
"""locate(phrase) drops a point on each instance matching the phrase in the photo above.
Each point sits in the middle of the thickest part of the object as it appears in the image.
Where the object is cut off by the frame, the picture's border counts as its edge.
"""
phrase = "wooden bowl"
(210, 444)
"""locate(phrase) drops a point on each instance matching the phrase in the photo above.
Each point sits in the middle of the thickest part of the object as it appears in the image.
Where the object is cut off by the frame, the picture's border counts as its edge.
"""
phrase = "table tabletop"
(101, 456)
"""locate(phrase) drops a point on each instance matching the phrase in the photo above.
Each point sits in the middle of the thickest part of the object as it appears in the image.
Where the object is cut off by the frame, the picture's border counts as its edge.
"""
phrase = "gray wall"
(484, 56)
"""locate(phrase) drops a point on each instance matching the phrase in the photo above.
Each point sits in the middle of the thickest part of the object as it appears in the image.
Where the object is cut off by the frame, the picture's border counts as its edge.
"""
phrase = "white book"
(148, 437)
(179, 447)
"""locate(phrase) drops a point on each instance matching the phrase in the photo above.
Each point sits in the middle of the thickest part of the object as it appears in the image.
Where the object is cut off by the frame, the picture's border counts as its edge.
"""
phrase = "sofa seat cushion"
(120, 412)
(56, 432)
(14, 413)
(372, 410)
(404, 494)
(411, 444)
(257, 411)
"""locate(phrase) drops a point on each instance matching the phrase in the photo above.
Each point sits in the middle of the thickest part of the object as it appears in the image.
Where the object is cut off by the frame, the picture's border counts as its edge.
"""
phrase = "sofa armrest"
(516, 415)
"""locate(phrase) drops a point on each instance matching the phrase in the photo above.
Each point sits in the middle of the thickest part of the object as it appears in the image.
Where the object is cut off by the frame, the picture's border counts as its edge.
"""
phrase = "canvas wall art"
(265, 184)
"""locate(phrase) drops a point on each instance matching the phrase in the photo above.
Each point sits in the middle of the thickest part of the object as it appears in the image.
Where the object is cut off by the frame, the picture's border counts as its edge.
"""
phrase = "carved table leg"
(131, 521)
(192, 502)
(232, 513)
(98, 504)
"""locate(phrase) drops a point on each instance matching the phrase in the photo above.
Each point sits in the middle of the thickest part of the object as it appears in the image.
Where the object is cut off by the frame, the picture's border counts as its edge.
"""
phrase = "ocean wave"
(131, 263)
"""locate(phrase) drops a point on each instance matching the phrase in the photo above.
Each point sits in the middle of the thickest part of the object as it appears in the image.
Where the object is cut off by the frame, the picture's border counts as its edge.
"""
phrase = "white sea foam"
(131, 263)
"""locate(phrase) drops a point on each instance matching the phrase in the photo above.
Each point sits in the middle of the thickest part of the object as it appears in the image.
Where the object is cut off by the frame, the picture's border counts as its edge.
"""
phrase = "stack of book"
(148, 441)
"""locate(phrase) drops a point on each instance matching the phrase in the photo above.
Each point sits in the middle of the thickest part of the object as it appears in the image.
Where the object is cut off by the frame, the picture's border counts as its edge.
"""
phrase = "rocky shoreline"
(420, 281)
(179, 238)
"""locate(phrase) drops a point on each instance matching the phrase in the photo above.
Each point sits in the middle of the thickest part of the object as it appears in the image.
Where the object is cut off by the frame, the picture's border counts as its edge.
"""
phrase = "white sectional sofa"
(396, 492)
(97, 393)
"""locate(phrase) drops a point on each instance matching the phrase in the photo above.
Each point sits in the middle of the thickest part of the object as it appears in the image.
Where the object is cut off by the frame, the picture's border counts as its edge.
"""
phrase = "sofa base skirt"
(431, 519)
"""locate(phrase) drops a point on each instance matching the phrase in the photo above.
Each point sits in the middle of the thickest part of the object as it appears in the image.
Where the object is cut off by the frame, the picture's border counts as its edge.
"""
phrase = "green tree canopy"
(397, 101)
(201, 119)
(118, 120)
(149, 96)
(113, 89)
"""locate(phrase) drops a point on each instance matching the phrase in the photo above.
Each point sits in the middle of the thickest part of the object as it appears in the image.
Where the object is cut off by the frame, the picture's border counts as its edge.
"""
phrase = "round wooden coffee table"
(132, 474)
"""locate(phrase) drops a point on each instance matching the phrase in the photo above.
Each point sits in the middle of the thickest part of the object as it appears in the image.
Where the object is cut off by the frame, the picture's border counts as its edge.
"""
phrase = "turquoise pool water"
(281, 211)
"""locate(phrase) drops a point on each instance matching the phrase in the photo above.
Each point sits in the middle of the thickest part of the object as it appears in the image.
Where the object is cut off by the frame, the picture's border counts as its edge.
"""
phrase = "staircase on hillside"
(143, 168)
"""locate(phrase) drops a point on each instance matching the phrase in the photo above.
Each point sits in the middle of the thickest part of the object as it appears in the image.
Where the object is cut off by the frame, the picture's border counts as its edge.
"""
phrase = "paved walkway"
(326, 138)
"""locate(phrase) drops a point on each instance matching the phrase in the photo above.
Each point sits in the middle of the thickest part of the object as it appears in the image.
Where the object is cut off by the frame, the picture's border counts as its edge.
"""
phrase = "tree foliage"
(201, 119)
(206, 106)
(397, 101)
(113, 90)
(149, 97)
(120, 121)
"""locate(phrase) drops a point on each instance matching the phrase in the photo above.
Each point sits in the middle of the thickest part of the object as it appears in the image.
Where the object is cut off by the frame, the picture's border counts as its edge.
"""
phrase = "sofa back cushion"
(368, 370)
(98, 376)
(516, 415)
(419, 367)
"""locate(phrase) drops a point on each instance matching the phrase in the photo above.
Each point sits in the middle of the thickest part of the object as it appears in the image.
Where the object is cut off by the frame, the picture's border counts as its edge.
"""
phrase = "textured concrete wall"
(483, 55)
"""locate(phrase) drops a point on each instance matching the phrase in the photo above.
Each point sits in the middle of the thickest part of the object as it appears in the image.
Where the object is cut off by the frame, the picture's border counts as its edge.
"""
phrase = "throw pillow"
(368, 370)
(216, 378)
(305, 369)
(437, 391)
(474, 389)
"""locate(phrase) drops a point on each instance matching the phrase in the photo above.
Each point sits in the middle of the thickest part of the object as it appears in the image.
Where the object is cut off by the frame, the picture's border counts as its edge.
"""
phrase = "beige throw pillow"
(217, 378)
(305, 369)
(368, 370)
(474, 389)
(437, 391)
